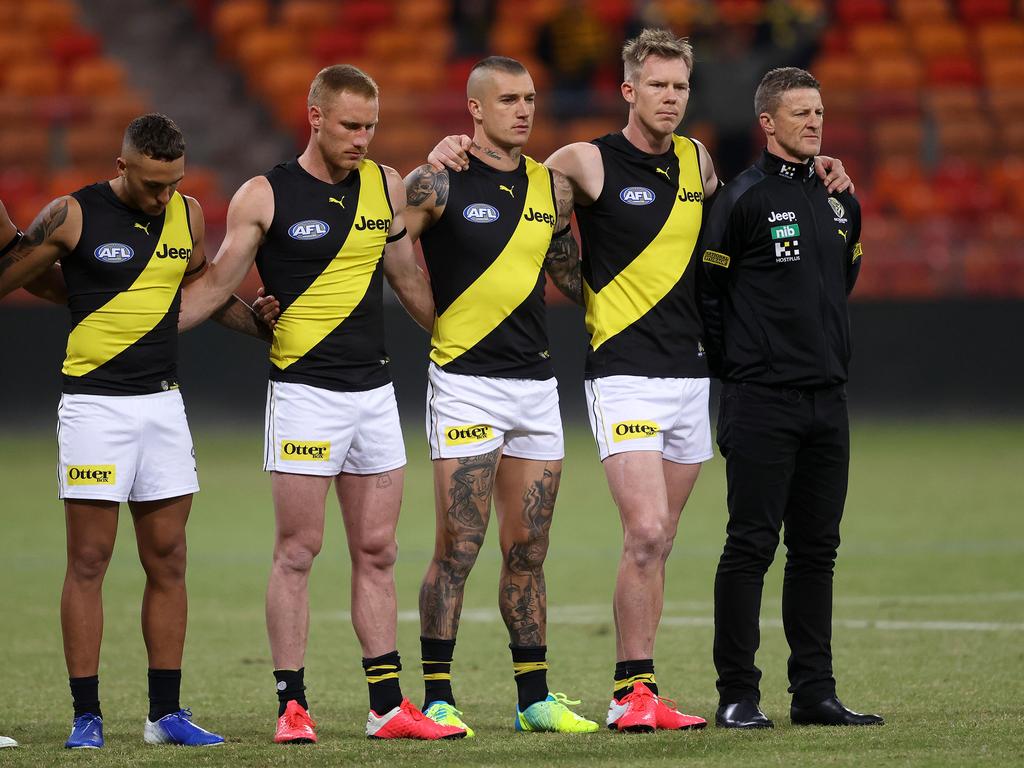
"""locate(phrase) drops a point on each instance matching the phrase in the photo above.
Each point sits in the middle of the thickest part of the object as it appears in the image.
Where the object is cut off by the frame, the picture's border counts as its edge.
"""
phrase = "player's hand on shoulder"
(831, 171)
(451, 152)
(267, 308)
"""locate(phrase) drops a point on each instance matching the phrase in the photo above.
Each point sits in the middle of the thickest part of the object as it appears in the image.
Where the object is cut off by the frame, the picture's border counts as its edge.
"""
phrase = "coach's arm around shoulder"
(208, 287)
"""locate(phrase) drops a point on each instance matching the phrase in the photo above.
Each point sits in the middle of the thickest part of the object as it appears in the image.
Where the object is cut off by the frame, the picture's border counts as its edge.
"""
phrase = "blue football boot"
(178, 728)
(86, 732)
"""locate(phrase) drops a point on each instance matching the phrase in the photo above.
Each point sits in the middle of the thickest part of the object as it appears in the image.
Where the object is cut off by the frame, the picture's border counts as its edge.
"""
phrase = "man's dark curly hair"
(155, 136)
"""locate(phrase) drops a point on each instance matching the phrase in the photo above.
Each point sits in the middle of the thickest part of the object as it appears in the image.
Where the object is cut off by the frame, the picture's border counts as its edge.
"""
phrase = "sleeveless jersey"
(638, 240)
(485, 256)
(322, 259)
(124, 292)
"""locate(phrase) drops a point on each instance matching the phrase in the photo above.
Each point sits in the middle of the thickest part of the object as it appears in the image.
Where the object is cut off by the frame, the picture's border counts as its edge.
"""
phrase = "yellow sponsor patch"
(298, 450)
(858, 251)
(92, 474)
(467, 433)
(634, 430)
(716, 258)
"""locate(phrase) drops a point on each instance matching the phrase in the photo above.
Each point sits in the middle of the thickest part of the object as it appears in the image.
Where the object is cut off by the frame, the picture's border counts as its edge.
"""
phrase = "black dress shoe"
(742, 714)
(831, 712)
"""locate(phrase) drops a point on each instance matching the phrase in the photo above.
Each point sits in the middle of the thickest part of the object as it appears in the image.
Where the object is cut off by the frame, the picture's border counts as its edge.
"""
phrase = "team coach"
(780, 257)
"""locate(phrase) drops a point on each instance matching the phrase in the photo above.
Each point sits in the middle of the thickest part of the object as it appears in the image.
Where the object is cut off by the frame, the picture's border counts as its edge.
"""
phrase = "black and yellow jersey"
(322, 259)
(485, 256)
(638, 242)
(124, 292)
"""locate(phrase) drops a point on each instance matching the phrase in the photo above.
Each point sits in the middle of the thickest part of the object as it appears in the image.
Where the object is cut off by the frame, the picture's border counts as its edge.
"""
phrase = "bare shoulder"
(59, 222)
(427, 187)
(395, 183)
(253, 202)
(572, 157)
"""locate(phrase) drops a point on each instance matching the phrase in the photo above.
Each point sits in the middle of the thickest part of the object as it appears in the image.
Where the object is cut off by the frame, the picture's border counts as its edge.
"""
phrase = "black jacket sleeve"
(855, 249)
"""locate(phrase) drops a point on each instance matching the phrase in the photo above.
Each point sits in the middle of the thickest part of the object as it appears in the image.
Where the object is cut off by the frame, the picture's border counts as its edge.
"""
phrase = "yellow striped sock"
(522, 667)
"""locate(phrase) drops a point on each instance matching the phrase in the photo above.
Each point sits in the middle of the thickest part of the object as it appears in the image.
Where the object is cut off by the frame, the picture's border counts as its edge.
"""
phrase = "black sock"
(530, 668)
(164, 690)
(382, 680)
(85, 694)
(290, 687)
(437, 670)
(634, 671)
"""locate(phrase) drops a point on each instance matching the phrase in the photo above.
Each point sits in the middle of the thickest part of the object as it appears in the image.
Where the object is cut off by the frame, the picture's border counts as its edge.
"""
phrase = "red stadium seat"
(978, 11)
(336, 46)
(308, 17)
(954, 70)
(850, 12)
(914, 12)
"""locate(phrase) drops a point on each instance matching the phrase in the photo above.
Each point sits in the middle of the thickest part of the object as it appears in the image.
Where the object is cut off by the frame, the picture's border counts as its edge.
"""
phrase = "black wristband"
(562, 232)
(397, 236)
(201, 266)
(14, 241)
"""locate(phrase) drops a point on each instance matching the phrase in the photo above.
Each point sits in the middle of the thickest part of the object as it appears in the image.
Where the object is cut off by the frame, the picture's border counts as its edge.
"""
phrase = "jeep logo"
(113, 253)
(777, 216)
(174, 253)
(468, 433)
(310, 229)
(636, 196)
(690, 197)
(544, 218)
(365, 223)
(295, 450)
(92, 474)
(480, 213)
(634, 430)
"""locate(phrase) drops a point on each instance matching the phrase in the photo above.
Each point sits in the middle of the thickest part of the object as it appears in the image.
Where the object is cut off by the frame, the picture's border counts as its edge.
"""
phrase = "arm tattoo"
(562, 260)
(45, 224)
(441, 595)
(424, 182)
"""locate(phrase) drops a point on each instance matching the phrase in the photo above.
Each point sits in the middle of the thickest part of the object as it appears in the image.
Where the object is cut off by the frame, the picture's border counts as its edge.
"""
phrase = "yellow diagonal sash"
(337, 291)
(505, 284)
(653, 273)
(131, 314)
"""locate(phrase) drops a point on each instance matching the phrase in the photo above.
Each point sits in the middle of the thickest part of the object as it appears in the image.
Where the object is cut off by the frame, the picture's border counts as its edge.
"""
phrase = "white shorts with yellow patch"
(315, 431)
(472, 415)
(124, 447)
(637, 413)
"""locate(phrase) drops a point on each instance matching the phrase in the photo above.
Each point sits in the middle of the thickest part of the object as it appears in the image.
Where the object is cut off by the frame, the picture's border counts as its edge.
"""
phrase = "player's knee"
(458, 560)
(376, 554)
(296, 554)
(527, 556)
(648, 544)
(165, 561)
(88, 563)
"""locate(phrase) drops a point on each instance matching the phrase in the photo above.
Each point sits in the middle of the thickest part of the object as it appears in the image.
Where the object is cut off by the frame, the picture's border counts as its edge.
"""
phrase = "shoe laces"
(561, 700)
(670, 703)
(444, 709)
(295, 717)
(183, 714)
(412, 711)
(637, 694)
(87, 718)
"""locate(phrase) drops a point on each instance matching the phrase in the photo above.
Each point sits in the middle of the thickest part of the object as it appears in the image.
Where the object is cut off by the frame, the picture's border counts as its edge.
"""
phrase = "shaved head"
(483, 73)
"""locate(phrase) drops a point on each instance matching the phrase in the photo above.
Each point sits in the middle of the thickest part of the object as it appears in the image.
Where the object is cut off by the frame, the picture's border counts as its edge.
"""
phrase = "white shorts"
(124, 447)
(471, 415)
(315, 431)
(637, 413)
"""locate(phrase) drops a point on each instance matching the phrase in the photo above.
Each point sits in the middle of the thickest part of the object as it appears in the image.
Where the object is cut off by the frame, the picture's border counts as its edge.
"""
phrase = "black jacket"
(780, 256)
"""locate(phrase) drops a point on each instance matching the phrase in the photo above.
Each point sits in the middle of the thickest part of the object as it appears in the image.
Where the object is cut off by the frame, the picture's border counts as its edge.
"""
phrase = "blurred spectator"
(472, 21)
(573, 44)
(646, 14)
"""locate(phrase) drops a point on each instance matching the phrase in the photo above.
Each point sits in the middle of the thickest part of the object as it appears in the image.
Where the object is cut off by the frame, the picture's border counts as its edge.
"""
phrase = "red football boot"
(407, 722)
(295, 726)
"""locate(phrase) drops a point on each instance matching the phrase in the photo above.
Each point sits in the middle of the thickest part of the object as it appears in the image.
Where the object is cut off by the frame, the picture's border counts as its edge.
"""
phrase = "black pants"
(787, 455)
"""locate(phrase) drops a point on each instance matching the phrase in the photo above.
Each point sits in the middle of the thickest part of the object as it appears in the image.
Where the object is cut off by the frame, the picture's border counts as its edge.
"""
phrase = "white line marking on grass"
(593, 614)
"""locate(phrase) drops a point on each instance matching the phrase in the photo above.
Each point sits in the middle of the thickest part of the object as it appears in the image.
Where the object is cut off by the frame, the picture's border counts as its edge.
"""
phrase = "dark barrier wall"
(910, 359)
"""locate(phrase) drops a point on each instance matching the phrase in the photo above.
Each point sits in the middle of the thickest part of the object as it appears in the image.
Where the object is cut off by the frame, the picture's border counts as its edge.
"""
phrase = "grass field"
(929, 618)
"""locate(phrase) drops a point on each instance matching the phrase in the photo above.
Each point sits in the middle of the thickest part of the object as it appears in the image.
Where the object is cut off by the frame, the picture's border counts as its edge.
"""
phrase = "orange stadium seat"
(233, 19)
(1005, 72)
(17, 112)
(23, 150)
(50, 18)
(968, 138)
(900, 137)
(19, 46)
(18, 184)
(421, 13)
(200, 183)
(1007, 103)
(512, 40)
(308, 17)
(842, 80)
(118, 108)
(918, 11)
(940, 39)
(32, 78)
(1011, 138)
(879, 39)
(1001, 39)
(96, 76)
(951, 101)
(10, 15)
(91, 144)
(264, 47)
(68, 180)
(892, 83)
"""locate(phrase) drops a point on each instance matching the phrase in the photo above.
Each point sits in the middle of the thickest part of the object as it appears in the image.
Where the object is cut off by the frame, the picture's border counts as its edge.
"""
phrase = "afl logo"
(636, 196)
(480, 213)
(310, 229)
(113, 253)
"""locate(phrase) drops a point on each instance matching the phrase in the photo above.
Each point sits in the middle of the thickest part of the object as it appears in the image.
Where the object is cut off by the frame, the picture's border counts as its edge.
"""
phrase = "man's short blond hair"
(337, 78)
(654, 42)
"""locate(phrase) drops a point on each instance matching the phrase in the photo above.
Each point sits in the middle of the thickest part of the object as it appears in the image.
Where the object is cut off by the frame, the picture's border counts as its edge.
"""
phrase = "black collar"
(773, 165)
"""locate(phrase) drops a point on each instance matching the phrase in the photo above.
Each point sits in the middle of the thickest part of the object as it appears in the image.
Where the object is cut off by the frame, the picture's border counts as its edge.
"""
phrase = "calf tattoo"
(469, 493)
(523, 592)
